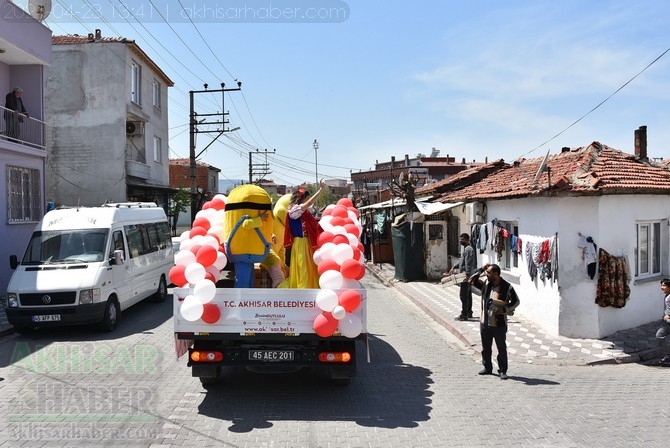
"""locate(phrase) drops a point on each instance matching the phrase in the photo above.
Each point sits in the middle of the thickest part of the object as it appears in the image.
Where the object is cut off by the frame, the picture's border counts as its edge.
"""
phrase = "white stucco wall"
(568, 307)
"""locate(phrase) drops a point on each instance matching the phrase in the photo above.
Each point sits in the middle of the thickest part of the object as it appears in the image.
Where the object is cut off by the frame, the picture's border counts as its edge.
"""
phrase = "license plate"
(270, 355)
(47, 318)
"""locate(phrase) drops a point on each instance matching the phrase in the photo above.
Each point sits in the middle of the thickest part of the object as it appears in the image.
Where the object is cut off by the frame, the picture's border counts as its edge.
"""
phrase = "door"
(437, 254)
(121, 273)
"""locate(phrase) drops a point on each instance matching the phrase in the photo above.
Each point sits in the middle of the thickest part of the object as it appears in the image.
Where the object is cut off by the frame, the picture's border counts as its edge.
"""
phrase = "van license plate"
(270, 355)
(47, 318)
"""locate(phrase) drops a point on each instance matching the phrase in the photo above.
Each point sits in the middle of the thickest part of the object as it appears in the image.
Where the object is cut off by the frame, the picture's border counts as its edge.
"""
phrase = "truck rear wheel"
(210, 381)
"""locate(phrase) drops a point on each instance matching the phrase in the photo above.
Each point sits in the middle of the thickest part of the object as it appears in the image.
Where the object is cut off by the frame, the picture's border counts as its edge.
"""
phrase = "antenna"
(542, 168)
(39, 9)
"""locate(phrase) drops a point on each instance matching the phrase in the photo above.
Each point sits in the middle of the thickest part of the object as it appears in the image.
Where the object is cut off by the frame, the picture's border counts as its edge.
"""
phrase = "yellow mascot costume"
(247, 228)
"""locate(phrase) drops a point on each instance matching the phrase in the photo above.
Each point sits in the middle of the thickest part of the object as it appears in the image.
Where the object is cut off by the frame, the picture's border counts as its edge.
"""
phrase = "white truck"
(265, 329)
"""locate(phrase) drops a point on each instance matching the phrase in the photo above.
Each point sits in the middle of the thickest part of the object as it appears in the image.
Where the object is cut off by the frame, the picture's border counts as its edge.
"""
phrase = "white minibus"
(87, 264)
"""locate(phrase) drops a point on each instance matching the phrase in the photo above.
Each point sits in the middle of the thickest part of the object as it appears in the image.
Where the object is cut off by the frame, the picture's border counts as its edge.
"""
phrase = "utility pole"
(316, 165)
(193, 129)
(259, 169)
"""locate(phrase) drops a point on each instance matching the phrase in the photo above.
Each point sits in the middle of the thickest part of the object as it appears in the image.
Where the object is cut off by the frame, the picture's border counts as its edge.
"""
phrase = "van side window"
(135, 243)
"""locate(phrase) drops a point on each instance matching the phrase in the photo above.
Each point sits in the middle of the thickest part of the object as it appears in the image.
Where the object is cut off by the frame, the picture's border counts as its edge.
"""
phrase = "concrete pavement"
(525, 342)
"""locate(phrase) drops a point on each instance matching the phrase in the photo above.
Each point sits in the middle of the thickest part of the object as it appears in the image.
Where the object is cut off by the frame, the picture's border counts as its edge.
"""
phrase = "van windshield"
(71, 246)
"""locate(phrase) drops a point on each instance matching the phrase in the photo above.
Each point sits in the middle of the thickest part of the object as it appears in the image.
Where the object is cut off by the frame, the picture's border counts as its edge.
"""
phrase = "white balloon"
(325, 220)
(326, 299)
(352, 216)
(216, 272)
(221, 261)
(331, 280)
(339, 312)
(221, 196)
(353, 239)
(194, 272)
(338, 230)
(191, 308)
(328, 208)
(351, 283)
(204, 290)
(186, 245)
(184, 257)
(317, 257)
(216, 231)
(327, 251)
(209, 240)
(350, 326)
(342, 252)
(184, 236)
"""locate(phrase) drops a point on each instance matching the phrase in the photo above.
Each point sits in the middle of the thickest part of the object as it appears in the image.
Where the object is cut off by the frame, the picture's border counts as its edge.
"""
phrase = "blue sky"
(475, 80)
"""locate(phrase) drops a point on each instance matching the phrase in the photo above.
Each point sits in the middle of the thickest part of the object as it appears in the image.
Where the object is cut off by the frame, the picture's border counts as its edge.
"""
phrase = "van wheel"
(110, 319)
(161, 292)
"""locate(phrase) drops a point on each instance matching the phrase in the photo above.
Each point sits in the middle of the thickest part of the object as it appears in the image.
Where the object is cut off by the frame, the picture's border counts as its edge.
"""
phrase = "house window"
(510, 257)
(135, 83)
(156, 96)
(24, 194)
(453, 244)
(157, 149)
(648, 254)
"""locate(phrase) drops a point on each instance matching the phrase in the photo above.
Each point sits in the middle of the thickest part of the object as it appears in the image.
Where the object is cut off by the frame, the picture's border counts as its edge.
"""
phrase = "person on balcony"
(14, 113)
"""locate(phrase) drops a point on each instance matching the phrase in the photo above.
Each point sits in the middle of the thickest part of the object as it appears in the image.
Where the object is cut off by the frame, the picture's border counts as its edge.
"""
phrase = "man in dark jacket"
(14, 114)
(467, 266)
(498, 301)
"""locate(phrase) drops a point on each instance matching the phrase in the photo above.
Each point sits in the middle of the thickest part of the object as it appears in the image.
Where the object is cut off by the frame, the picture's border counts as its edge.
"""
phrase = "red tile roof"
(596, 169)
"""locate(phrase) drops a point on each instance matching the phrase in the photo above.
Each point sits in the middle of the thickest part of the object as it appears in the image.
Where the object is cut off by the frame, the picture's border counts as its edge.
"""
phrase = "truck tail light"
(206, 356)
(334, 356)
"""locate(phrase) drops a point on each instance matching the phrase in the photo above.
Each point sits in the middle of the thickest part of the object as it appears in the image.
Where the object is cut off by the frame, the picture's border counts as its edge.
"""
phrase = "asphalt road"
(80, 387)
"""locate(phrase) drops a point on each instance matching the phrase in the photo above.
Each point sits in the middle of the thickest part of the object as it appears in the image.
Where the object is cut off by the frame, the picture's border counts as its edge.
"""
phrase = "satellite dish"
(39, 9)
(542, 168)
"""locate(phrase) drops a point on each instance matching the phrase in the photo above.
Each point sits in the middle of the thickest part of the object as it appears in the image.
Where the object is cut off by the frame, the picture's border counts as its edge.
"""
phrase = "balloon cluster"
(199, 262)
(338, 259)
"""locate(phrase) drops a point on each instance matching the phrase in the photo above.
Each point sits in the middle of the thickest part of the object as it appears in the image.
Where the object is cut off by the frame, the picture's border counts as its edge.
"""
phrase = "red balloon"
(351, 228)
(324, 237)
(345, 202)
(325, 324)
(202, 222)
(349, 300)
(211, 313)
(206, 255)
(339, 239)
(218, 204)
(337, 221)
(353, 209)
(210, 276)
(195, 248)
(357, 253)
(197, 230)
(326, 211)
(206, 205)
(362, 274)
(328, 265)
(176, 275)
(340, 210)
(350, 268)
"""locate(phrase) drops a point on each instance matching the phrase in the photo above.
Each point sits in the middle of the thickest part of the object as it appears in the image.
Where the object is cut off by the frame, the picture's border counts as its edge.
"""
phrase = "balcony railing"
(18, 128)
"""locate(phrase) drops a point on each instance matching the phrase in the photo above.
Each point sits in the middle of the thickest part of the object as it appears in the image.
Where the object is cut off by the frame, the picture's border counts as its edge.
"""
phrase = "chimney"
(565, 149)
(90, 37)
(641, 143)
(406, 159)
(98, 35)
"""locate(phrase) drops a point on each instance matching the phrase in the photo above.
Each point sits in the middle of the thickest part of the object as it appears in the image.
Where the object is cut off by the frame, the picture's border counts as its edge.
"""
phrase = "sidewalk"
(525, 342)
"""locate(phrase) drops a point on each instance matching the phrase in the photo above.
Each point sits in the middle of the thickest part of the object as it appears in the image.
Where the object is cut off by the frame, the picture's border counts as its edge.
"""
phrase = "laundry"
(612, 288)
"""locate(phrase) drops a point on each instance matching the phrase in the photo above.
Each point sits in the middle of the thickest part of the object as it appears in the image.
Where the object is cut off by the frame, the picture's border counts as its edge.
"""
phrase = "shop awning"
(430, 208)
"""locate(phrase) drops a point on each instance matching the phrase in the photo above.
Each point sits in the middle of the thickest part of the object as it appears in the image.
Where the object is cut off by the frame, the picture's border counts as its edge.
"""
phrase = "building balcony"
(137, 169)
(22, 130)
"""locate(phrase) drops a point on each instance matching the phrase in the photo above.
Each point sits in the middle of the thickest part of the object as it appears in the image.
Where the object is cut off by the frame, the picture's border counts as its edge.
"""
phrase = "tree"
(180, 200)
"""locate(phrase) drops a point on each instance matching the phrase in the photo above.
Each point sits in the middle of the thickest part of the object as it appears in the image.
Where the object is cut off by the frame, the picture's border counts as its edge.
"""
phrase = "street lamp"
(316, 164)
